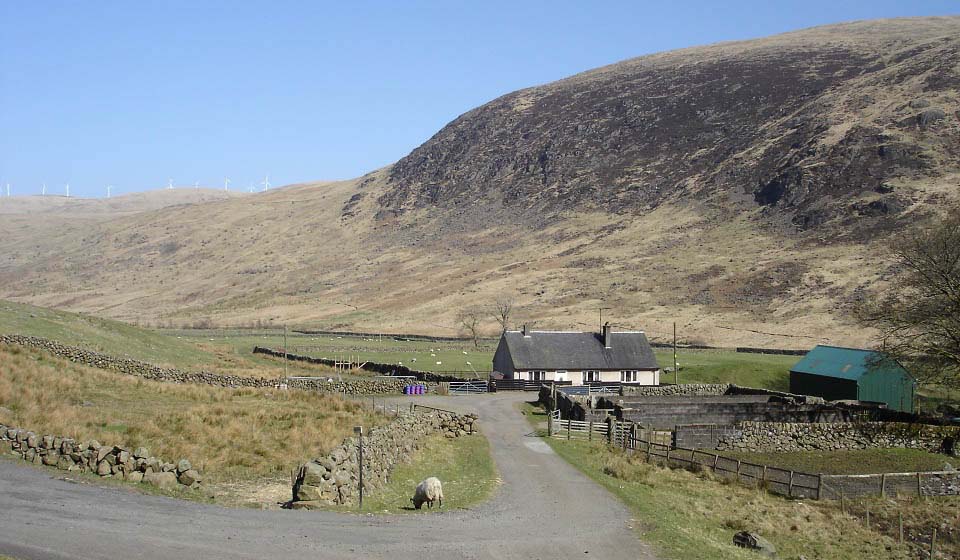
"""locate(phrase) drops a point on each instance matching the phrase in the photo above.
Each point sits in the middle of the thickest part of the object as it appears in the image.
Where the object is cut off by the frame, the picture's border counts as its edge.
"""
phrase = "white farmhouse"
(577, 357)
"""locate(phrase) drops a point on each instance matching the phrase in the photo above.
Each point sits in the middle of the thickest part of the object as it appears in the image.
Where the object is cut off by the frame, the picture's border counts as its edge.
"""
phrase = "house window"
(535, 375)
(591, 375)
(628, 376)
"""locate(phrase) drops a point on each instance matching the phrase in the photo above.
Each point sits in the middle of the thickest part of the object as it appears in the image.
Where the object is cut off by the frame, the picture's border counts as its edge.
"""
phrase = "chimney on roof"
(606, 335)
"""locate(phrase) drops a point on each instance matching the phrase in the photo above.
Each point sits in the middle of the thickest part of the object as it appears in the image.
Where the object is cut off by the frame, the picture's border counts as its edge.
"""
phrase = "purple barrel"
(420, 389)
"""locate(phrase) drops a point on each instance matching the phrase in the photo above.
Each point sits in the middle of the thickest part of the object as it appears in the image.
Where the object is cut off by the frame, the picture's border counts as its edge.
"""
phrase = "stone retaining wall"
(332, 479)
(776, 436)
(691, 389)
(172, 375)
(105, 460)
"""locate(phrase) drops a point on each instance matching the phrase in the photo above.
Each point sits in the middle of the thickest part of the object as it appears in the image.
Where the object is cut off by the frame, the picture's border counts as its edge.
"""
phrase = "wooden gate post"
(590, 428)
(550, 423)
(569, 421)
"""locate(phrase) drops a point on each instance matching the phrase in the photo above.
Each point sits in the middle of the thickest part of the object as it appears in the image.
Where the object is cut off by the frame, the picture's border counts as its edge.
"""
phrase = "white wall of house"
(634, 377)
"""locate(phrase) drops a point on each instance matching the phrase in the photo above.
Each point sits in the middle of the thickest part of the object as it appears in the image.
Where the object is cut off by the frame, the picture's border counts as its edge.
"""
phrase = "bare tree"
(502, 309)
(469, 318)
(919, 316)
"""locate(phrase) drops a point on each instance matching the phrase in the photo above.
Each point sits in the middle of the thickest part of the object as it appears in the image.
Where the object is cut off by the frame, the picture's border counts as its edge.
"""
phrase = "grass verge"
(463, 464)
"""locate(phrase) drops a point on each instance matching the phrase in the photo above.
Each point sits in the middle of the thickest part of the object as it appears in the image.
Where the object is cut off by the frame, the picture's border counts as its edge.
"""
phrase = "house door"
(561, 375)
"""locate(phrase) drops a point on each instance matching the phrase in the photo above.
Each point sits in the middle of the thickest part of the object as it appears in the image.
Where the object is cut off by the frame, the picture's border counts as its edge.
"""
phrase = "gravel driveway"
(544, 509)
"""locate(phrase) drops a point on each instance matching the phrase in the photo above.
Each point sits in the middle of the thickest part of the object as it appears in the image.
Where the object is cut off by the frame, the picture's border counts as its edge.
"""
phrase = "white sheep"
(427, 491)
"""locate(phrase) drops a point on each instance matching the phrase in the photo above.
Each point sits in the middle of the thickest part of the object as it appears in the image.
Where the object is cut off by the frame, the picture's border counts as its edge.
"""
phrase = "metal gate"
(467, 387)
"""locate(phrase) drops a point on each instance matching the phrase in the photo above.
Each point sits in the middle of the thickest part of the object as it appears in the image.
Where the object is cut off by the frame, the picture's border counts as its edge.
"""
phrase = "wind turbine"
(250, 188)
(266, 183)
(226, 183)
(169, 184)
(196, 185)
(8, 190)
(68, 190)
(109, 187)
(43, 190)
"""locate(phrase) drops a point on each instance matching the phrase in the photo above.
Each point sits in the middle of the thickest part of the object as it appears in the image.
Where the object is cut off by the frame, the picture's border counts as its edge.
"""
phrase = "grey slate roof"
(579, 351)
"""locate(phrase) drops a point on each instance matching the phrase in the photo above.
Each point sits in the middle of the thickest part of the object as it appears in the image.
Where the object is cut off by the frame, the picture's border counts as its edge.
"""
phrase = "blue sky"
(134, 93)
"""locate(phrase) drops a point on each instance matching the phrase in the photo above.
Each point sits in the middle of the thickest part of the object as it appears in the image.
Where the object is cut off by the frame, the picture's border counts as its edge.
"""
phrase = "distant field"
(463, 359)
(852, 461)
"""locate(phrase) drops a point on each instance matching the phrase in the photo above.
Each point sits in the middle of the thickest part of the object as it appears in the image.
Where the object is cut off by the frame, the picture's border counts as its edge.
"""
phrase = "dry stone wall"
(686, 389)
(777, 436)
(333, 479)
(172, 375)
(132, 465)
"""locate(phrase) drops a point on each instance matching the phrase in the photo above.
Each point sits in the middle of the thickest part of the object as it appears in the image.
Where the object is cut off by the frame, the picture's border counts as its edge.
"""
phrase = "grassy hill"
(104, 335)
(745, 191)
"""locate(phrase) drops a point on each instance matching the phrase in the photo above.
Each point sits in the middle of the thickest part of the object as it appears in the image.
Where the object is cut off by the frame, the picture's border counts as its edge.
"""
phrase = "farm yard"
(692, 513)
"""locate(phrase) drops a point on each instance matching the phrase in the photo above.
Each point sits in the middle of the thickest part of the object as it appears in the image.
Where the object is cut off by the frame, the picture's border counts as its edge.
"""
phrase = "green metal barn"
(836, 373)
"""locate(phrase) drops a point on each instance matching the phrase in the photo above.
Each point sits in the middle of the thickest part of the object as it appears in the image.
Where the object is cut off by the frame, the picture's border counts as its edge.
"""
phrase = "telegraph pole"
(676, 366)
(602, 309)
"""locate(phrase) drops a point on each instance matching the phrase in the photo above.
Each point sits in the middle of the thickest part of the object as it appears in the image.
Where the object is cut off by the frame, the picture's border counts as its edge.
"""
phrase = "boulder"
(104, 468)
(183, 465)
(753, 541)
(161, 479)
(141, 453)
(51, 458)
(314, 473)
(189, 477)
(134, 476)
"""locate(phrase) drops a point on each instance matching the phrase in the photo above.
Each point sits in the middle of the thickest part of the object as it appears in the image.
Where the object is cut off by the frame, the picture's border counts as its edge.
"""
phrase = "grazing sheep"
(428, 491)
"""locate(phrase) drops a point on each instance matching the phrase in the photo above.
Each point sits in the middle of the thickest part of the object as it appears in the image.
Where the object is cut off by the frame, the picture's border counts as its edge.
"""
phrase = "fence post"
(648, 448)
(843, 502)
(716, 461)
(919, 486)
(790, 486)
(549, 423)
(633, 436)
(819, 485)
(668, 455)
(569, 421)
(590, 432)
(738, 470)
(623, 434)
(763, 476)
(933, 544)
(900, 516)
(883, 485)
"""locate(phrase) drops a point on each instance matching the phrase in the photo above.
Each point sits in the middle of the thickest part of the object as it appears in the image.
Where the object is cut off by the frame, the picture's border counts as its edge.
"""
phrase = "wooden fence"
(576, 429)
(928, 483)
(779, 481)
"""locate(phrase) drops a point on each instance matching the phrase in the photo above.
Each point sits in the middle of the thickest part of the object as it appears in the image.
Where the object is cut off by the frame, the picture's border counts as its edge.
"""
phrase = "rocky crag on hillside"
(816, 128)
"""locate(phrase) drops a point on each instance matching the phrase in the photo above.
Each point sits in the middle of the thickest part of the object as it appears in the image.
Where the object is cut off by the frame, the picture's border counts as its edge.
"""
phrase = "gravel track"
(543, 509)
